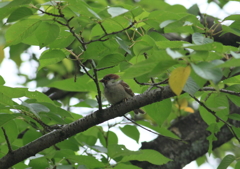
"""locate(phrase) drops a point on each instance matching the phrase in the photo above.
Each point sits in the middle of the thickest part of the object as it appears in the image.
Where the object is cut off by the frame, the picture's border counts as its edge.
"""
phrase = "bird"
(117, 91)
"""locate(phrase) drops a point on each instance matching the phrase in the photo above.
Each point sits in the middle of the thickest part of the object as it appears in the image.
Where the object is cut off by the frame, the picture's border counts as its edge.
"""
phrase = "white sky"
(13, 80)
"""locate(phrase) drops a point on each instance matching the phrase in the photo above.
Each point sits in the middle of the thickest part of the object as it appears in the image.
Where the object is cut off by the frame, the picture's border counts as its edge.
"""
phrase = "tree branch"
(83, 124)
(193, 130)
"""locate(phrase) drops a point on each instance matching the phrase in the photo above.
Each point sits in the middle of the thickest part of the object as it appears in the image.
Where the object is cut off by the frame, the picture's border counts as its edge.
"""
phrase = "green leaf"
(116, 11)
(159, 111)
(87, 103)
(64, 39)
(39, 96)
(237, 165)
(97, 50)
(19, 13)
(183, 25)
(31, 135)
(151, 156)
(227, 160)
(207, 116)
(174, 53)
(89, 136)
(112, 138)
(123, 45)
(215, 46)
(234, 116)
(230, 63)
(49, 57)
(207, 71)
(12, 131)
(141, 47)
(191, 86)
(235, 17)
(40, 162)
(233, 98)
(5, 100)
(194, 10)
(21, 30)
(35, 108)
(83, 84)
(4, 118)
(121, 166)
(162, 131)
(88, 161)
(110, 60)
(50, 32)
(235, 55)
(219, 104)
(140, 68)
(162, 66)
(227, 29)
(94, 13)
(2, 81)
(131, 131)
(213, 128)
(18, 3)
(171, 44)
(115, 151)
(200, 39)
(20, 92)
(236, 131)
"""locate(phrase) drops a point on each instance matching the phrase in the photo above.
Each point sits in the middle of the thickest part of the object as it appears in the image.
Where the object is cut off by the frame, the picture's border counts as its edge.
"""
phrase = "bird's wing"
(127, 88)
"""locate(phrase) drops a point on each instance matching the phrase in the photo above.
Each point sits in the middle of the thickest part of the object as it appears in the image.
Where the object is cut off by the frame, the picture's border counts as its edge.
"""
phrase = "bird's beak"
(102, 81)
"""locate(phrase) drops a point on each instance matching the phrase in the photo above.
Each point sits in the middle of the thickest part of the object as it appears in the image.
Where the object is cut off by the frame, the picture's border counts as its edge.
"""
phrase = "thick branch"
(83, 124)
(193, 130)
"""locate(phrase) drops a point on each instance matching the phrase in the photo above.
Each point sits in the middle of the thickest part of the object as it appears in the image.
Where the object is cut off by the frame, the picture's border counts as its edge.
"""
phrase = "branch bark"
(83, 124)
(193, 130)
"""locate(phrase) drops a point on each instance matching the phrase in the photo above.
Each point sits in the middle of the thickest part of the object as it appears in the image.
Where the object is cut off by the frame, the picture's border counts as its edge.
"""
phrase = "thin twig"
(112, 33)
(221, 90)
(7, 140)
(218, 118)
(48, 13)
(104, 30)
(98, 97)
(105, 68)
(152, 84)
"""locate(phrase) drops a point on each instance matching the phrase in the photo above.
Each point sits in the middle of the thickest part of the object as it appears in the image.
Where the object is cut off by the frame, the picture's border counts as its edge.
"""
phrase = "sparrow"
(116, 90)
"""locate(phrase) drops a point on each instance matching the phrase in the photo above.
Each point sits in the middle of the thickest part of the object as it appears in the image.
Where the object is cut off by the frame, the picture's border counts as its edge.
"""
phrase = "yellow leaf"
(182, 103)
(189, 110)
(178, 79)
(1, 53)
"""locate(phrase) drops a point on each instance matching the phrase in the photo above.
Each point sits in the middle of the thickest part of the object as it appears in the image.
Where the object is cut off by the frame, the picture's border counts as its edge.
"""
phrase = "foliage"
(85, 40)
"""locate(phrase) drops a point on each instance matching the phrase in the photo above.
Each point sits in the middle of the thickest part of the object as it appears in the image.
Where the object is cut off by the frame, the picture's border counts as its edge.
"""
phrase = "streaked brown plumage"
(116, 90)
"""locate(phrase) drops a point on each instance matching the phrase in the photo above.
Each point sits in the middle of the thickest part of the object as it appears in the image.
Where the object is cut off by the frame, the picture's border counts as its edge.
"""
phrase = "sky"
(13, 80)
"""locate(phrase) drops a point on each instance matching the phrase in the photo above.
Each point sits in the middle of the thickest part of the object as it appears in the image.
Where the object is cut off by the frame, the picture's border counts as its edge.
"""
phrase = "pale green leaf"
(116, 11)
(131, 131)
(21, 30)
(19, 13)
(151, 156)
(49, 57)
(121, 166)
(4, 118)
(200, 39)
(207, 71)
(50, 32)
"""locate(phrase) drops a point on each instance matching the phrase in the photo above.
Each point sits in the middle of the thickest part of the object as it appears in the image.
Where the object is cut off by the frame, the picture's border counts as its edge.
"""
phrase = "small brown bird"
(116, 90)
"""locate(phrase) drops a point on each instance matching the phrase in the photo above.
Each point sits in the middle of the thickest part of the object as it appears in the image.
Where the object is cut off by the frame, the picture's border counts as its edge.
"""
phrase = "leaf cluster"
(85, 40)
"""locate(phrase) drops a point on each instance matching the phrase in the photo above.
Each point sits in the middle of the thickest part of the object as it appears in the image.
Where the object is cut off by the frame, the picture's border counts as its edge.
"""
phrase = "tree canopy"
(182, 63)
